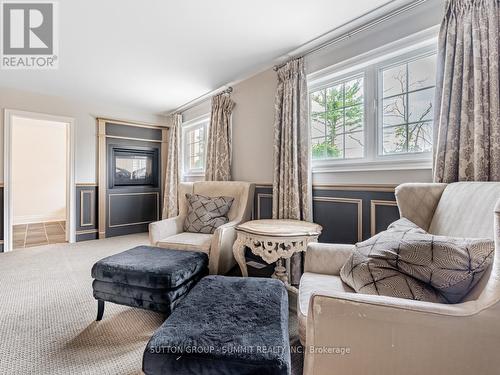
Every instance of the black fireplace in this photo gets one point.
(134, 166)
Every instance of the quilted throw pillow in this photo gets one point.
(405, 261)
(206, 214)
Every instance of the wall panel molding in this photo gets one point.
(374, 203)
(358, 202)
(133, 223)
(344, 211)
(87, 209)
(259, 197)
(87, 231)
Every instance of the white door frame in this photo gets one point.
(70, 169)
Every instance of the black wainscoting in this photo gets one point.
(86, 212)
(347, 216)
(130, 209)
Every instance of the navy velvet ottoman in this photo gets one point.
(224, 326)
(147, 277)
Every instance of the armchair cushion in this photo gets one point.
(316, 283)
(187, 241)
(407, 262)
(206, 214)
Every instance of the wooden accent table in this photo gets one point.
(274, 241)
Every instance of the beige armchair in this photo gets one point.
(393, 336)
(169, 233)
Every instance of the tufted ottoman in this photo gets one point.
(147, 277)
(226, 325)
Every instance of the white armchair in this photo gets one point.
(392, 336)
(169, 233)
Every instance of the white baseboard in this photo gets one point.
(31, 219)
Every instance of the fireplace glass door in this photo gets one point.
(134, 167)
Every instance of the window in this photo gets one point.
(376, 113)
(407, 106)
(337, 120)
(194, 137)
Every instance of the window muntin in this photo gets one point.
(194, 147)
(407, 106)
(418, 119)
(337, 120)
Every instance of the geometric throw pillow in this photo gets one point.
(206, 214)
(405, 261)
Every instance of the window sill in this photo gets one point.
(193, 174)
(367, 166)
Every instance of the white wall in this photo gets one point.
(84, 113)
(253, 116)
(38, 170)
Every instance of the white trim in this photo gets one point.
(200, 121)
(70, 185)
(366, 166)
(34, 219)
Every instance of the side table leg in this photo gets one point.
(280, 272)
(239, 255)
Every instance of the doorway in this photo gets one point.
(39, 180)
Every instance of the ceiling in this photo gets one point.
(156, 55)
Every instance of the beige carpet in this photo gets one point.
(47, 314)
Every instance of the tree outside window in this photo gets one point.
(407, 106)
(337, 114)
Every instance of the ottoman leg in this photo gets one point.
(100, 309)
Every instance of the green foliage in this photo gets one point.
(322, 150)
(335, 100)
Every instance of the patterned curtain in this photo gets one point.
(467, 130)
(172, 178)
(292, 189)
(218, 165)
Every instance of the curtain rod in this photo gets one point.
(328, 43)
(201, 98)
(367, 26)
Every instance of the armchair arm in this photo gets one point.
(326, 258)
(165, 228)
(221, 249)
(405, 305)
(418, 201)
(385, 334)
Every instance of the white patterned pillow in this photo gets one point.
(206, 214)
(405, 261)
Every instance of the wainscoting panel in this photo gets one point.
(341, 218)
(348, 214)
(86, 212)
(131, 212)
(382, 213)
(263, 206)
